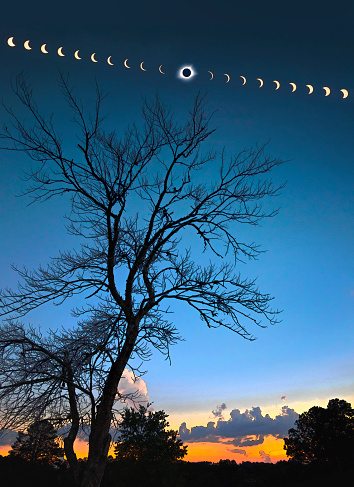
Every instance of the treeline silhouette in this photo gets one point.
(18, 472)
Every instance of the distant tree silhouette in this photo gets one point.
(143, 436)
(39, 444)
(324, 436)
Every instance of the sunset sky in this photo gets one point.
(228, 397)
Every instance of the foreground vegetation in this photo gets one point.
(18, 472)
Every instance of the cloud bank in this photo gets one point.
(242, 429)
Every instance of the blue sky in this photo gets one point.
(308, 266)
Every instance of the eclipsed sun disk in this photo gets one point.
(10, 42)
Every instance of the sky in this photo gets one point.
(228, 397)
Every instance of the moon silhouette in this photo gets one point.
(43, 49)
(293, 86)
(327, 90)
(125, 64)
(212, 76)
(244, 80)
(228, 77)
(109, 61)
(310, 87)
(10, 42)
(141, 66)
(345, 93)
(60, 51)
(277, 83)
(27, 46)
(77, 55)
(161, 70)
(260, 81)
(93, 58)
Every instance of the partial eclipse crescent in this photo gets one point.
(244, 80)
(161, 70)
(212, 76)
(60, 51)
(141, 66)
(27, 46)
(93, 58)
(43, 49)
(125, 63)
(277, 84)
(345, 93)
(327, 90)
(109, 61)
(310, 87)
(260, 82)
(77, 54)
(10, 42)
(293, 86)
(228, 77)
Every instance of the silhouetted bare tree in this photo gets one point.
(134, 199)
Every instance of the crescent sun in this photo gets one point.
(125, 63)
(228, 77)
(10, 42)
(93, 58)
(141, 66)
(327, 90)
(310, 87)
(345, 93)
(77, 54)
(277, 83)
(244, 80)
(212, 76)
(109, 61)
(43, 49)
(260, 81)
(293, 86)
(161, 70)
(60, 51)
(27, 46)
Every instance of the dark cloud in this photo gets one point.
(242, 427)
(248, 440)
(7, 437)
(239, 450)
(218, 411)
(265, 457)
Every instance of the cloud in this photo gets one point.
(218, 411)
(245, 429)
(7, 437)
(265, 457)
(248, 440)
(133, 386)
(283, 398)
(239, 450)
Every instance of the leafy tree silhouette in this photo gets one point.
(323, 436)
(143, 436)
(39, 444)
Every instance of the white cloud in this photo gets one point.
(133, 387)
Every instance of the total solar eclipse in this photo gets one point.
(186, 73)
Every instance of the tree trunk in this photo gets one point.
(97, 458)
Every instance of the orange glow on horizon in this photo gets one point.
(206, 451)
(213, 452)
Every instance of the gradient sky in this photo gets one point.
(308, 358)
